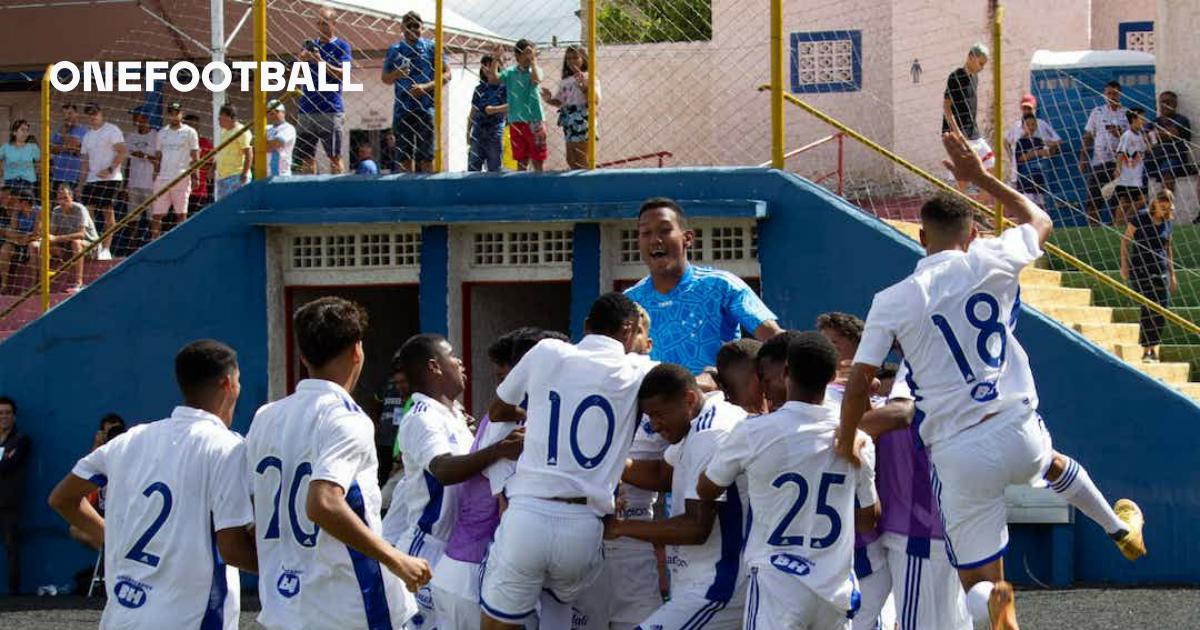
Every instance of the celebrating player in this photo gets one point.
(953, 316)
(582, 411)
(313, 463)
(704, 537)
(174, 487)
(801, 542)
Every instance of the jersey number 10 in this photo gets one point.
(610, 425)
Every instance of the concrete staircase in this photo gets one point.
(1043, 290)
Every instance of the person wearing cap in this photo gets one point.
(1098, 157)
(177, 147)
(960, 103)
(140, 142)
(1045, 132)
(281, 140)
(103, 150)
(234, 160)
(409, 67)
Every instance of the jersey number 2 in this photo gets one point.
(779, 537)
(610, 425)
(305, 539)
(138, 552)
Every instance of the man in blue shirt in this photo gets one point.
(64, 149)
(320, 116)
(408, 67)
(693, 310)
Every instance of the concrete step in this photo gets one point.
(1170, 373)
(1071, 315)
(1191, 390)
(21, 278)
(1127, 351)
(1045, 296)
(1108, 335)
(27, 311)
(1033, 276)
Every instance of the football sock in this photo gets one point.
(1076, 486)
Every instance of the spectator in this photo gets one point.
(103, 151)
(1045, 130)
(140, 185)
(21, 231)
(64, 149)
(397, 400)
(111, 425)
(387, 159)
(281, 140)
(14, 453)
(409, 67)
(693, 310)
(525, 118)
(321, 117)
(1030, 152)
(1101, 135)
(1150, 267)
(177, 147)
(19, 157)
(200, 191)
(1170, 157)
(71, 230)
(366, 165)
(485, 123)
(960, 104)
(236, 159)
(1131, 156)
(572, 104)
(1168, 109)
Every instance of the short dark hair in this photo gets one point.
(326, 327)
(947, 213)
(609, 312)
(69, 105)
(1028, 116)
(483, 62)
(194, 117)
(5, 400)
(1170, 93)
(845, 324)
(416, 352)
(738, 350)
(1133, 113)
(111, 418)
(664, 202)
(530, 337)
(812, 361)
(201, 364)
(776, 348)
(522, 45)
(228, 110)
(667, 380)
(500, 351)
(412, 15)
(1113, 84)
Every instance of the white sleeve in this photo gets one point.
(900, 387)
(425, 438)
(879, 332)
(514, 387)
(1010, 252)
(701, 449)
(94, 466)
(864, 489)
(1124, 142)
(1093, 125)
(499, 473)
(231, 490)
(1048, 131)
(730, 460)
(345, 443)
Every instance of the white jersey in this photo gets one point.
(803, 496)
(170, 485)
(279, 161)
(307, 578)
(175, 147)
(581, 416)
(953, 318)
(639, 503)
(430, 429)
(1104, 145)
(714, 567)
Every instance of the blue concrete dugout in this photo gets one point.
(111, 346)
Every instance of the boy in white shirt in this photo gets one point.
(281, 140)
(800, 548)
(177, 146)
(176, 496)
(313, 463)
(1131, 166)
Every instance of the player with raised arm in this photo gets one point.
(975, 399)
(437, 457)
(703, 538)
(314, 470)
(177, 506)
(800, 547)
(582, 412)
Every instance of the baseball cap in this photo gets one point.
(91, 108)
(275, 106)
(1029, 100)
(174, 107)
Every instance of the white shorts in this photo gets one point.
(775, 601)
(176, 196)
(631, 580)
(540, 544)
(874, 586)
(928, 592)
(689, 609)
(421, 545)
(970, 471)
(455, 591)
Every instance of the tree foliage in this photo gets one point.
(652, 21)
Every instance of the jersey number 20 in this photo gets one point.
(305, 539)
(610, 425)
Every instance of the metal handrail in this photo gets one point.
(839, 137)
(649, 156)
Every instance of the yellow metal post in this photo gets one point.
(259, 124)
(44, 167)
(439, 47)
(591, 58)
(777, 136)
(998, 106)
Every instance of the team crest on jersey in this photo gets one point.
(790, 563)
(130, 593)
(288, 584)
(578, 619)
(425, 597)
(984, 392)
